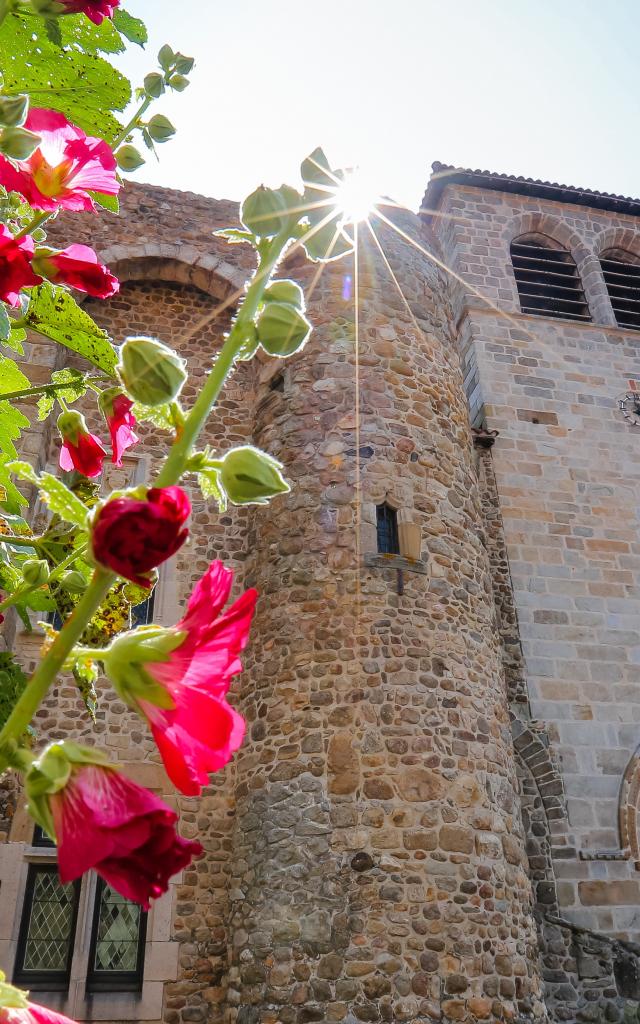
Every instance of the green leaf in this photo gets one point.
(131, 28)
(54, 493)
(109, 203)
(235, 235)
(54, 33)
(10, 497)
(13, 682)
(5, 323)
(160, 415)
(11, 377)
(77, 388)
(54, 313)
(12, 423)
(75, 80)
(15, 339)
(209, 484)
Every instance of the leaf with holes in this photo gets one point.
(131, 28)
(54, 493)
(54, 313)
(77, 388)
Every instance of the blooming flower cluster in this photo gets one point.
(60, 174)
(83, 451)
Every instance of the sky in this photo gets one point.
(545, 88)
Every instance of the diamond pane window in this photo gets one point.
(117, 942)
(47, 930)
(387, 529)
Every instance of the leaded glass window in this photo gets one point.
(117, 942)
(47, 930)
(387, 529)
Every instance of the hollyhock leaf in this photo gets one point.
(209, 484)
(62, 501)
(5, 323)
(110, 203)
(55, 313)
(131, 28)
(12, 684)
(76, 389)
(235, 235)
(11, 377)
(166, 57)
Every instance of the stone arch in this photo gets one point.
(627, 239)
(629, 810)
(179, 264)
(532, 745)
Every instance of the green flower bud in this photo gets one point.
(73, 581)
(251, 477)
(50, 773)
(152, 373)
(154, 84)
(178, 82)
(128, 158)
(160, 128)
(262, 212)
(35, 572)
(13, 110)
(18, 143)
(286, 291)
(282, 329)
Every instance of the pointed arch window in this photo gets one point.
(622, 277)
(547, 279)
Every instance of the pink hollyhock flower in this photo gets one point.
(79, 267)
(133, 536)
(15, 265)
(80, 449)
(32, 1013)
(100, 819)
(65, 167)
(116, 409)
(190, 669)
(95, 10)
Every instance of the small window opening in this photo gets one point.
(387, 529)
(116, 958)
(277, 382)
(40, 838)
(142, 614)
(547, 279)
(622, 277)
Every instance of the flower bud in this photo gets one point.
(35, 572)
(126, 657)
(251, 477)
(262, 212)
(282, 329)
(18, 143)
(73, 581)
(13, 110)
(128, 158)
(160, 128)
(152, 373)
(71, 424)
(154, 84)
(286, 291)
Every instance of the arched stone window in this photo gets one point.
(547, 279)
(622, 277)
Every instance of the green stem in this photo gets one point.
(197, 416)
(119, 139)
(54, 659)
(39, 219)
(53, 576)
(46, 389)
(21, 542)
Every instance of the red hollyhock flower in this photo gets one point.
(15, 266)
(116, 409)
(95, 10)
(105, 821)
(132, 536)
(80, 449)
(195, 729)
(63, 169)
(32, 1013)
(79, 267)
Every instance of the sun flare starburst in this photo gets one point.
(355, 196)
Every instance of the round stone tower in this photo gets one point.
(378, 861)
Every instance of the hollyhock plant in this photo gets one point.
(15, 265)
(178, 679)
(81, 450)
(102, 820)
(116, 409)
(79, 267)
(132, 536)
(65, 167)
(95, 10)
(15, 1008)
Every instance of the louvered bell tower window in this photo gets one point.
(622, 277)
(547, 280)
(116, 958)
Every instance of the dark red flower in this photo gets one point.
(116, 409)
(105, 821)
(79, 267)
(15, 265)
(65, 167)
(80, 449)
(133, 536)
(95, 10)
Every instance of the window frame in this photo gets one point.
(48, 981)
(390, 514)
(114, 981)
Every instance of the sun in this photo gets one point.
(355, 196)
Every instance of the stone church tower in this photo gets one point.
(433, 816)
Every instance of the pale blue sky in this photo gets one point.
(545, 88)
